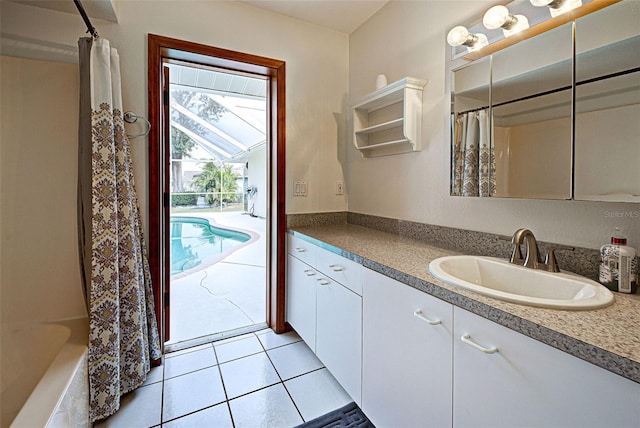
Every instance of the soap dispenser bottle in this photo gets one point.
(618, 265)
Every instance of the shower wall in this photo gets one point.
(39, 267)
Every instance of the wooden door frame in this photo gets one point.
(162, 48)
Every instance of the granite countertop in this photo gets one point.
(608, 337)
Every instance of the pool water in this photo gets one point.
(195, 241)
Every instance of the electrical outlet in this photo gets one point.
(339, 188)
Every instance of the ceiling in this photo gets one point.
(99, 9)
(340, 15)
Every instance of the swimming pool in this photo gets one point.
(194, 241)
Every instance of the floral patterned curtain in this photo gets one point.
(473, 156)
(123, 335)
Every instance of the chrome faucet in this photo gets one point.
(532, 258)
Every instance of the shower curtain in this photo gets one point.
(123, 334)
(473, 155)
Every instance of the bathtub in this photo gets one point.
(44, 381)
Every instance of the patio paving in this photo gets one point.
(227, 295)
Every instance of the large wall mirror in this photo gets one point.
(525, 125)
(607, 120)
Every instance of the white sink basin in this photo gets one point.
(506, 281)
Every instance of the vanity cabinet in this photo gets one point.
(400, 354)
(527, 383)
(324, 306)
(389, 120)
(407, 355)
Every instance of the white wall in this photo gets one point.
(316, 74)
(40, 277)
(409, 38)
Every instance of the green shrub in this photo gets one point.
(182, 200)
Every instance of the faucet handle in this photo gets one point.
(551, 261)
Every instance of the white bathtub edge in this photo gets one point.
(44, 400)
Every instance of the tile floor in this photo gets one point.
(255, 380)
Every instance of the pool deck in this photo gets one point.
(227, 295)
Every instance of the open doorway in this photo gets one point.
(218, 214)
(216, 205)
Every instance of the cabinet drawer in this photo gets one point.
(340, 269)
(302, 250)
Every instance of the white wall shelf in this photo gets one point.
(389, 120)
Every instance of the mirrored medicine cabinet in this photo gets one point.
(555, 116)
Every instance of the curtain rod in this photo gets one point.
(90, 28)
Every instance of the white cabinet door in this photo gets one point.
(301, 299)
(339, 334)
(528, 383)
(406, 368)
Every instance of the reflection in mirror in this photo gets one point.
(607, 123)
(531, 104)
(470, 130)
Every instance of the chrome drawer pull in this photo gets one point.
(309, 272)
(323, 281)
(336, 268)
(467, 339)
(418, 314)
(300, 250)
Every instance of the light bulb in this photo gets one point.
(499, 17)
(558, 7)
(460, 36)
(457, 36)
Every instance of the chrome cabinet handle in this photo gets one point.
(467, 339)
(309, 272)
(336, 268)
(418, 314)
(300, 250)
(323, 281)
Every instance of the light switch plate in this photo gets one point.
(299, 188)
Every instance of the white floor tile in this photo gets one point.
(271, 340)
(232, 339)
(217, 416)
(191, 392)
(317, 393)
(189, 362)
(269, 408)
(248, 374)
(237, 349)
(154, 375)
(293, 360)
(139, 408)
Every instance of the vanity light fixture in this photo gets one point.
(461, 36)
(499, 17)
(558, 7)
